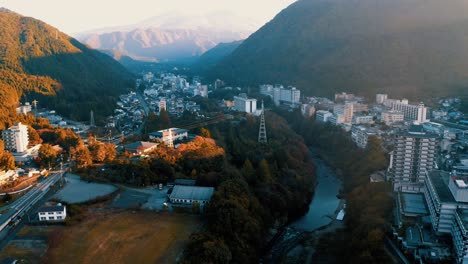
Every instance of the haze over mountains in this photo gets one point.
(171, 37)
(404, 47)
(39, 62)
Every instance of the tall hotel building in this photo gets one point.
(411, 112)
(16, 138)
(413, 156)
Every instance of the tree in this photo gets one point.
(98, 152)
(47, 155)
(164, 119)
(110, 152)
(7, 162)
(205, 133)
(263, 173)
(82, 156)
(206, 248)
(33, 136)
(248, 171)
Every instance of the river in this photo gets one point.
(325, 202)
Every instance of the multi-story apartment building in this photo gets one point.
(16, 138)
(360, 135)
(323, 116)
(412, 157)
(344, 97)
(447, 199)
(391, 117)
(244, 104)
(281, 95)
(346, 110)
(381, 98)
(411, 112)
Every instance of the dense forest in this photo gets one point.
(39, 62)
(369, 205)
(264, 186)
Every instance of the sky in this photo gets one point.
(72, 16)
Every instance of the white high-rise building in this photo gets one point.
(289, 95)
(447, 200)
(244, 104)
(381, 98)
(16, 138)
(411, 112)
(412, 157)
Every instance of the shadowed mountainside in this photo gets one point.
(407, 48)
(39, 62)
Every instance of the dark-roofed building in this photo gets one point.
(52, 213)
(186, 182)
(189, 194)
(140, 147)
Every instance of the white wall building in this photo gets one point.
(344, 97)
(411, 112)
(447, 200)
(23, 109)
(244, 104)
(290, 95)
(307, 110)
(170, 134)
(16, 138)
(381, 98)
(52, 213)
(280, 95)
(363, 119)
(323, 116)
(346, 110)
(189, 194)
(391, 117)
(412, 157)
(360, 135)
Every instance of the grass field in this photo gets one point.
(26, 251)
(124, 237)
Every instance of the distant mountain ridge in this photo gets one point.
(406, 48)
(171, 37)
(39, 62)
(215, 55)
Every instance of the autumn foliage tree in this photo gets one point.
(7, 162)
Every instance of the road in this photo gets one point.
(22, 205)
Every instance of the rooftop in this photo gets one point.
(192, 192)
(54, 208)
(417, 131)
(140, 145)
(439, 180)
(413, 203)
(184, 182)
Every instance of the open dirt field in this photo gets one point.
(78, 191)
(124, 237)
